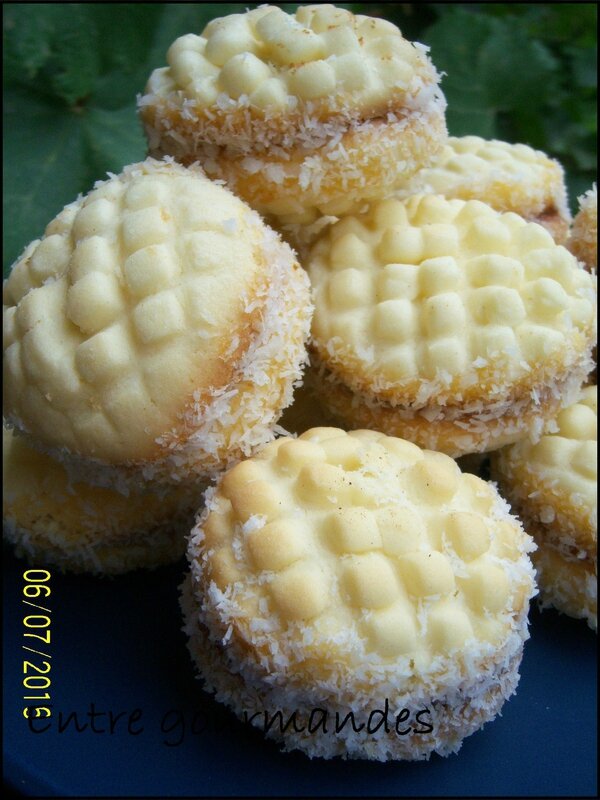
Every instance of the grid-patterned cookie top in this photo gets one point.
(509, 177)
(275, 63)
(38, 499)
(558, 475)
(139, 297)
(584, 232)
(431, 297)
(361, 550)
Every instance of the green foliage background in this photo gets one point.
(521, 72)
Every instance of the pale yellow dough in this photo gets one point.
(338, 569)
(552, 485)
(447, 322)
(509, 177)
(298, 113)
(80, 528)
(155, 331)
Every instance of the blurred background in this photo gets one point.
(521, 72)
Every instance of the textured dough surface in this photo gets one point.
(555, 479)
(81, 528)
(447, 301)
(335, 105)
(509, 177)
(584, 231)
(452, 717)
(348, 560)
(322, 59)
(552, 485)
(138, 306)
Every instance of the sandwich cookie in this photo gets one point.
(552, 486)
(448, 323)
(155, 332)
(81, 528)
(508, 177)
(339, 573)
(298, 113)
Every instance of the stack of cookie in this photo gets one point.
(151, 338)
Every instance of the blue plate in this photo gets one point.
(117, 648)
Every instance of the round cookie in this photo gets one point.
(349, 572)
(552, 486)
(509, 177)
(298, 113)
(80, 528)
(155, 331)
(447, 323)
(584, 232)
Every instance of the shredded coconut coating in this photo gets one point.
(449, 308)
(80, 528)
(569, 585)
(141, 331)
(584, 232)
(552, 485)
(457, 430)
(340, 568)
(333, 103)
(453, 717)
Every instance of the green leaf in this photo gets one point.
(112, 139)
(52, 48)
(43, 164)
(72, 150)
(471, 121)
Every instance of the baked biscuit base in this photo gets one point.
(551, 485)
(343, 570)
(155, 332)
(84, 529)
(474, 428)
(584, 231)
(304, 112)
(447, 322)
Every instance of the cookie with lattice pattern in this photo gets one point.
(297, 112)
(552, 486)
(509, 177)
(346, 570)
(75, 527)
(447, 322)
(155, 331)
